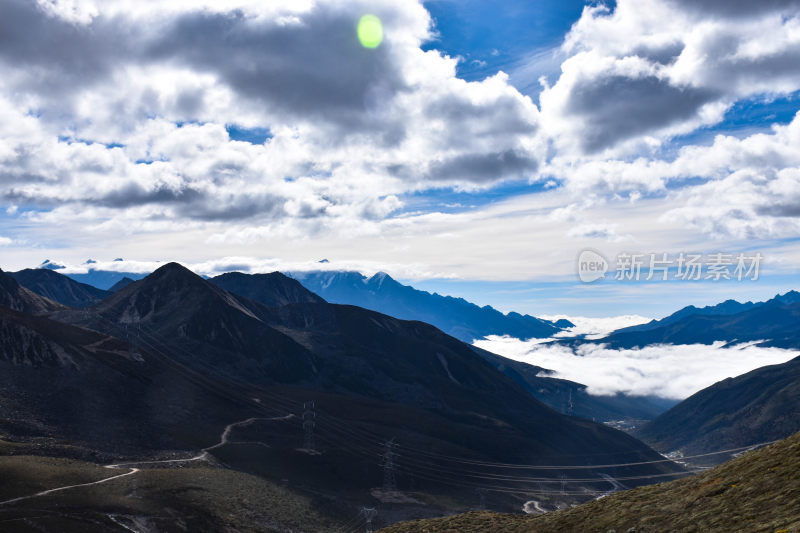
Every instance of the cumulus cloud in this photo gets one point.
(668, 371)
(119, 127)
(123, 115)
(246, 264)
(650, 69)
(758, 175)
(595, 327)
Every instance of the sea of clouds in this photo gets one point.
(668, 371)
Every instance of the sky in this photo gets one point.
(476, 151)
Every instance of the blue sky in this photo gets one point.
(475, 152)
(491, 37)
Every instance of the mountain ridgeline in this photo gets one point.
(760, 406)
(775, 322)
(167, 362)
(59, 288)
(454, 316)
(18, 298)
(263, 375)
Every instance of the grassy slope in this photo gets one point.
(199, 497)
(757, 492)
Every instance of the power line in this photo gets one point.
(389, 480)
(308, 426)
(369, 515)
(349, 430)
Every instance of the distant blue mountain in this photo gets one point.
(48, 282)
(100, 279)
(776, 322)
(728, 307)
(121, 284)
(455, 316)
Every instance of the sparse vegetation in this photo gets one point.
(201, 498)
(758, 492)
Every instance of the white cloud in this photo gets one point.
(593, 327)
(116, 136)
(668, 371)
(758, 175)
(652, 69)
(134, 134)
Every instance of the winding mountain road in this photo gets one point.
(223, 440)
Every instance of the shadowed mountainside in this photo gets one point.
(757, 492)
(272, 290)
(760, 406)
(15, 296)
(58, 287)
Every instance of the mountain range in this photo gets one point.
(276, 289)
(174, 364)
(455, 316)
(169, 365)
(759, 406)
(59, 288)
(18, 298)
(380, 292)
(771, 323)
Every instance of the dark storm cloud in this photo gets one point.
(780, 209)
(737, 8)
(316, 69)
(190, 202)
(663, 55)
(616, 108)
(58, 56)
(125, 78)
(506, 116)
(133, 194)
(484, 167)
(238, 208)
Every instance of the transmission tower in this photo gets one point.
(308, 425)
(369, 515)
(132, 331)
(389, 479)
(563, 483)
(482, 496)
(570, 405)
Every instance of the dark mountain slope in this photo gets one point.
(121, 284)
(350, 351)
(62, 382)
(276, 289)
(454, 316)
(207, 327)
(272, 290)
(58, 287)
(777, 322)
(201, 359)
(15, 296)
(757, 492)
(760, 406)
(571, 398)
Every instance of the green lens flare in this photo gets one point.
(370, 31)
